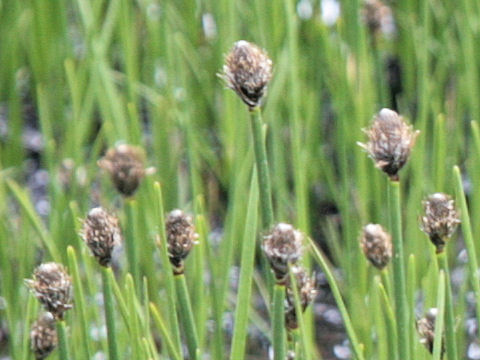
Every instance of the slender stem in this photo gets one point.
(169, 285)
(246, 276)
(468, 238)
(79, 299)
(449, 316)
(356, 346)
(109, 314)
(279, 322)
(262, 167)
(63, 353)
(399, 273)
(186, 315)
(438, 340)
(131, 247)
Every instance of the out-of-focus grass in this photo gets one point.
(89, 74)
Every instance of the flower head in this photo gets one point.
(43, 336)
(101, 233)
(306, 291)
(440, 219)
(390, 140)
(282, 247)
(426, 330)
(126, 167)
(53, 288)
(247, 71)
(376, 244)
(181, 237)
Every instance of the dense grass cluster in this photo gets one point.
(121, 107)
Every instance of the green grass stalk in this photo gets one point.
(468, 237)
(438, 340)
(63, 352)
(279, 322)
(402, 313)
(262, 167)
(186, 315)
(356, 346)
(110, 314)
(451, 342)
(130, 241)
(246, 276)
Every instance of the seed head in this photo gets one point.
(101, 233)
(53, 288)
(43, 336)
(426, 330)
(376, 244)
(378, 17)
(283, 246)
(126, 166)
(440, 219)
(390, 140)
(181, 237)
(306, 290)
(247, 71)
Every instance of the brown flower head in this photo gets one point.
(378, 17)
(126, 166)
(282, 247)
(53, 288)
(306, 291)
(440, 219)
(390, 140)
(376, 244)
(426, 330)
(247, 71)
(43, 336)
(101, 233)
(181, 237)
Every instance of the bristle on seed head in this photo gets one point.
(247, 71)
(101, 232)
(181, 237)
(390, 141)
(52, 286)
(282, 247)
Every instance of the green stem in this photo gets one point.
(79, 299)
(186, 315)
(449, 316)
(279, 322)
(63, 353)
(399, 273)
(246, 276)
(438, 339)
(131, 246)
(109, 314)
(169, 285)
(262, 166)
(468, 237)
(356, 346)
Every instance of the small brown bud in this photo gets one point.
(426, 330)
(378, 17)
(52, 287)
(282, 247)
(390, 141)
(101, 232)
(440, 220)
(126, 166)
(306, 292)
(43, 336)
(247, 71)
(376, 244)
(181, 237)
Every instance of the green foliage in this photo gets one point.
(89, 74)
